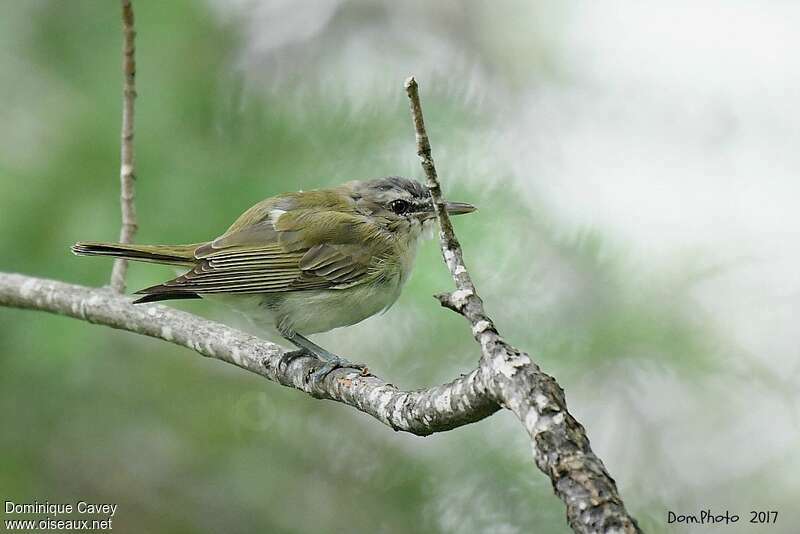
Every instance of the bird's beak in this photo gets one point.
(459, 208)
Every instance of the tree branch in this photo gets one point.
(127, 172)
(561, 447)
(421, 412)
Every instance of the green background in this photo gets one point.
(186, 444)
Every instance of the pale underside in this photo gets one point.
(311, 311)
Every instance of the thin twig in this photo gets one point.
(561, 448)
(127, 172)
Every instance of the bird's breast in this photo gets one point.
(310, 312)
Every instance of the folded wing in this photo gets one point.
(275, 254)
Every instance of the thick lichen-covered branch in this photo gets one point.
(561, 448)
(127, 171)
(421, 412)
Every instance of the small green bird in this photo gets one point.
(302, 263)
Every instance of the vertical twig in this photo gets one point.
(511, 378)
(127, 171)
(471, 305)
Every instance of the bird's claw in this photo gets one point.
(288, 356)
(331, 365)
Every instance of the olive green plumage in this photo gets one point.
(356, 241)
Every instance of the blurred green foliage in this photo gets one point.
(184, 444)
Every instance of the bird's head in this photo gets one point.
(403, 204)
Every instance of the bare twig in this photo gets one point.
(127, 172)
(421, 412)
(561, 448)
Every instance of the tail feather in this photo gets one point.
(166, 254)
(167, 295)
(164, 292)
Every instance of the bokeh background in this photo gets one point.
(636, 168)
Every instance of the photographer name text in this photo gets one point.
(52, 512)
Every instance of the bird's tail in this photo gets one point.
(167, 254)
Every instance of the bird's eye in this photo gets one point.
(399, 206)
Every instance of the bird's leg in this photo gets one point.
(331, 360)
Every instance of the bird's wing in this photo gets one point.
(286, 251)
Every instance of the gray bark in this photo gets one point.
(561, 447)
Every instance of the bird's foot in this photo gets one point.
(288, 356)
(330, 365)
(330, 361)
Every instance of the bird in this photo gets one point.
(303, 262)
